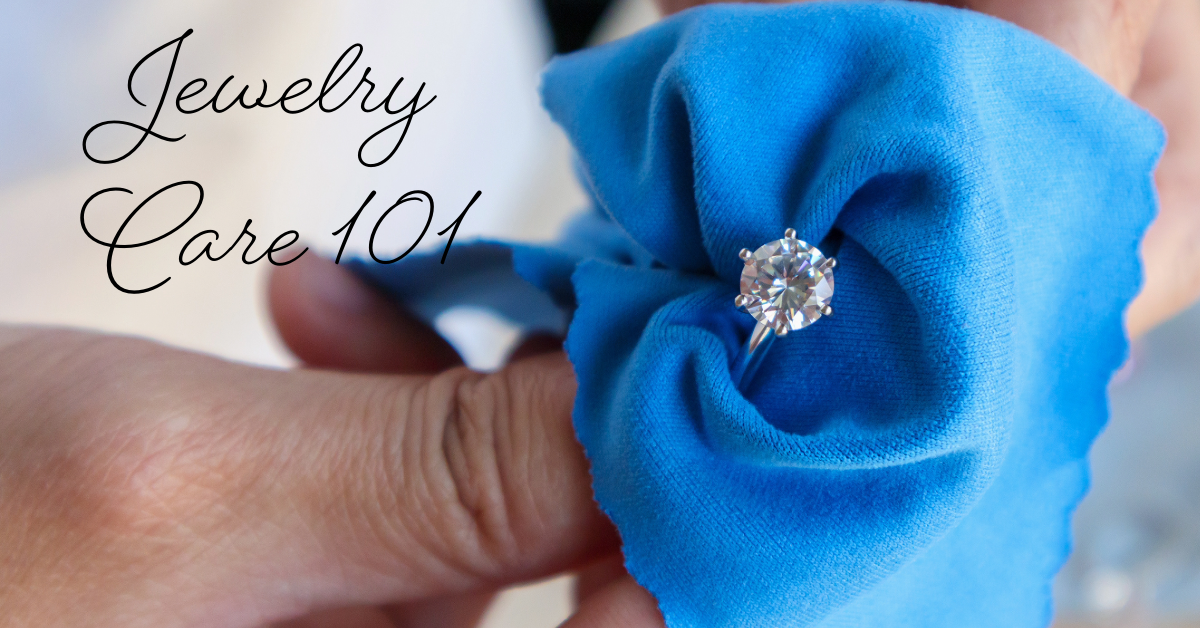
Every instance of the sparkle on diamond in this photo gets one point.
(786, 284)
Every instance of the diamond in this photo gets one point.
(787, 284)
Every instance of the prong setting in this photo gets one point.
(786, 285)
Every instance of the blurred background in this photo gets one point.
(64, 64)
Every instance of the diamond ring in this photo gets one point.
(786, 285)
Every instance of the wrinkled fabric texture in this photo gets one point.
(914, 459)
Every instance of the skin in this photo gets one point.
(387, 485)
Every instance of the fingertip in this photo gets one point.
(330, 318)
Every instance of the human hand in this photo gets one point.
(1143, 48)
(145, 486)
(1148, 50)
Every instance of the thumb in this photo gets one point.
(247, 495)
(329, 318)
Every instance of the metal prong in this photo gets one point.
(745, 254)
(827, 311)
(783, 331)
(832, 263)
(790, 233)
(739, 300)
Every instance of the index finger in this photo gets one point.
(220, 493)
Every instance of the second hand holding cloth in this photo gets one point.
(913, 460)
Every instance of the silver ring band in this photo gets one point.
(751, 355)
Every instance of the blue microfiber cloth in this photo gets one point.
(914, 459)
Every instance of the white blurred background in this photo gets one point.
(64, 64)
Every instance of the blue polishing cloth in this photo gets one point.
(914, 459)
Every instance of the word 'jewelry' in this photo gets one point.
(786, 285)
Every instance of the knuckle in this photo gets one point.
(474, 470)
(127, 465)
(472, 442)
(159, 481)
(129, 508)
(156, 486)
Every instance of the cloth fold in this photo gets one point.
(914, 459)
